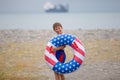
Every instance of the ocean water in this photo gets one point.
(68, 20)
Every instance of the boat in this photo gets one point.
(51, 8)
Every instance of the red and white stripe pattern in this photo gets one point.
(49, 55)
(79, 50)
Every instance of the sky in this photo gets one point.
(36, 6)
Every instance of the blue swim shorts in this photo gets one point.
(61, 56)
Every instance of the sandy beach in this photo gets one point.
(22, 55)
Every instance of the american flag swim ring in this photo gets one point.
(72, 65)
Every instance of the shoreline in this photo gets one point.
(19, 35)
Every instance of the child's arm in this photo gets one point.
(58, 48)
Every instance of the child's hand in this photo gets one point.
(54, 49)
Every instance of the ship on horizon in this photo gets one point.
(51, 8)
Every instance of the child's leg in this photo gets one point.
(62, 77)
(57, 76)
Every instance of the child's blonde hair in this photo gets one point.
(56, 24)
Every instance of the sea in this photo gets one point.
(68, 21)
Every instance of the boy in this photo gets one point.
(59, 52)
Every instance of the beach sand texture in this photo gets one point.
(22, 55)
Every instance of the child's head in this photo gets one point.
(57, 27)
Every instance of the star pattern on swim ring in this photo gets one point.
(66, 67)
(62, 39)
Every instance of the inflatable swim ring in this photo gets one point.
(72, 65)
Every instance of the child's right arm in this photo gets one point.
(58, 48)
